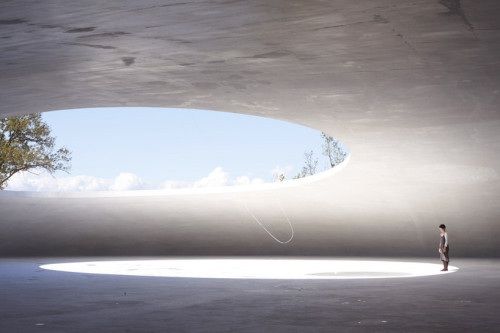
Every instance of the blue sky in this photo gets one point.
(157, 145)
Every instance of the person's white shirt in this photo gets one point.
(445, 239)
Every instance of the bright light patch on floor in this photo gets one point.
(299, 269)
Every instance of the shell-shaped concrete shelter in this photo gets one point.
(411, 87)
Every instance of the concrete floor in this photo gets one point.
(36, 300)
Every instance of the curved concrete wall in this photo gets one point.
(411, 88)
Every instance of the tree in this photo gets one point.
(333, 150)
(309, 168)
(26, 145)
(278, 174)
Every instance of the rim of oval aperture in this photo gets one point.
(186, 191)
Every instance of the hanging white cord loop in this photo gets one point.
(270, 233)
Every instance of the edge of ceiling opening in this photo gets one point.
(185, 191)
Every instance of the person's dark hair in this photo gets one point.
(443, 226)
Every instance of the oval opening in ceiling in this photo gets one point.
(122, 149)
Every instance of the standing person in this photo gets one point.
(444, 248)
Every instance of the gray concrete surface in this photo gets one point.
(411, 87)
(465, 301)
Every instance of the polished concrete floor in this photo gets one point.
(37, 300)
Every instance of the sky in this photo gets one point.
(158, 148)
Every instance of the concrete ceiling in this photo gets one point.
(411, 87)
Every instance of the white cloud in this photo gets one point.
(216, 178)
(246, 180)
(44, 182)
(172, 184)
(77, 184)
(278, 170)
(127, 182)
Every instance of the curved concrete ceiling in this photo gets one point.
(411, 87)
